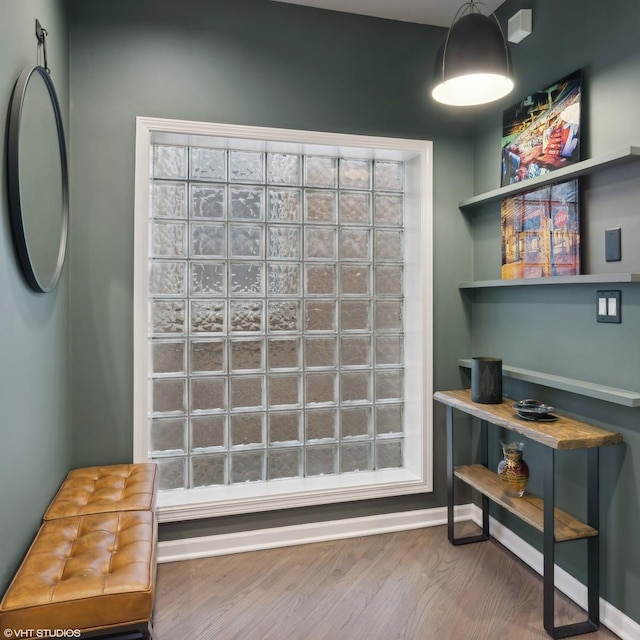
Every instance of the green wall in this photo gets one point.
(35, 436)
(246, 62)
(554, 329)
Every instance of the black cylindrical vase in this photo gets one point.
(486, 380)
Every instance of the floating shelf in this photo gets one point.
(529, 508)
(585, 167)
(623, 397)
(595, 278)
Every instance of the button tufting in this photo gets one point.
(88, 570)
(102, 489)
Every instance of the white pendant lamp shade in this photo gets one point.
(474, 64)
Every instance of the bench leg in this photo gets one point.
(143, 631)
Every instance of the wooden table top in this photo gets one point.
(565, 433)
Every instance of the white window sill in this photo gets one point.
(208, 502)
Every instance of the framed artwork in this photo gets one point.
(541, 232)
(542, 133)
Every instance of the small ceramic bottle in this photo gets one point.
(513, 471)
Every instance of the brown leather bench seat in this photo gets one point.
(118, 487)
(92, 572)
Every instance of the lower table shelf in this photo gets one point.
(529, 508)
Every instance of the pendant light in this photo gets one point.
(474, 64)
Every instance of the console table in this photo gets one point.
(555, 524)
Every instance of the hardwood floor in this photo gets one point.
(411, 585)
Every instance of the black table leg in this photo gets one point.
(593, 621)
(484, 453)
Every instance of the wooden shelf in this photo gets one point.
(624, 397)
(565, 433)
(585, 167)
(529, 508)
(594, 278)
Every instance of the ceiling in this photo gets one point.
(434, 12)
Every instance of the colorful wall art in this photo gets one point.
(542, 133)
(541, 232)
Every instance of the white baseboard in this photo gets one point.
(217, 545)
(224, 544)
(610, 617)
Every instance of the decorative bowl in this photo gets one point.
(532, 407)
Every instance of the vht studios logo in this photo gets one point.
(41, 633)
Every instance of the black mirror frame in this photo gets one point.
(15, 187)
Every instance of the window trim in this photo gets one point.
(283, 494)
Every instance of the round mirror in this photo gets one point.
(38, 179)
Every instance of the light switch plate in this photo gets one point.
(608, 307)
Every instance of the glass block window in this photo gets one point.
(283, 333)
(276, 325)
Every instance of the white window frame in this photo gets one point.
(417, 475)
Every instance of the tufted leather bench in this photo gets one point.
(118, 487)
(90, 570)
